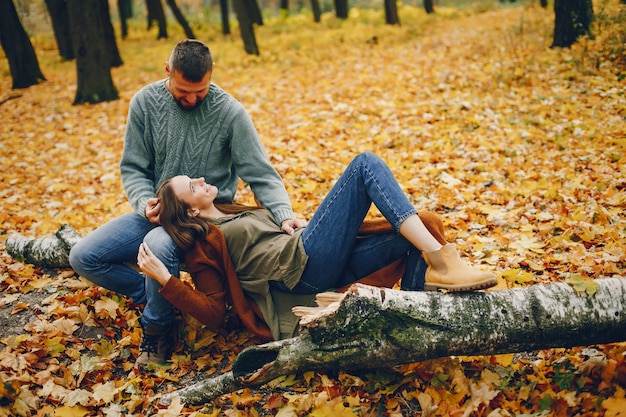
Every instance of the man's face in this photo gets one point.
(188, 95)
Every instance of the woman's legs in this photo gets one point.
(330, 237)
(101, 256)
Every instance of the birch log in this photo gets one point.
(52, 251)
(370, 327)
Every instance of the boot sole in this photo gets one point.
(488, 283)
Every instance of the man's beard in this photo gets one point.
(189, 108)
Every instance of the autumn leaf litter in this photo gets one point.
(519, 147)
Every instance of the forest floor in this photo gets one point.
(519, 147)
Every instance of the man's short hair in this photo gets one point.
(192, 58)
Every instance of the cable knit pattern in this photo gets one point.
(217, 141)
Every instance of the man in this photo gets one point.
(182, 125)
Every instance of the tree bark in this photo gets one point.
(391, 12)
(23, 63)
(51, 252)
(93, 61)
(224, 14)
(125, 11)
(374, 327)
(429, 6)
(317, 11)
(341, 9)
(57, 9)
(572, 19)
(246, 27)
(115, 58)
(156, 13)
(181, 19)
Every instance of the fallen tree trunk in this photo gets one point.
(52, 251)
(370, 327)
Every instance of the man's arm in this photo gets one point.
(137, 163)
(253, 166)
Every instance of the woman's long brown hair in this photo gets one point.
(185, 230)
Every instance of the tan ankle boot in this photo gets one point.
(447, 271)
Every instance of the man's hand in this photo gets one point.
(153, 210)
(289, 226)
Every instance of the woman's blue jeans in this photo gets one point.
(337, 257)
(102, 258)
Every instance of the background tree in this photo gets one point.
(224, 14)
(18, 49)
(125, 11)
(109, 34)
(181, 19)
(246, 26)
(429, 6)
(391, 12)
(317, 11)
(254, 11)
(57, 9)
(572, 19)
(156, 14)
(93, 62)
(341, 9)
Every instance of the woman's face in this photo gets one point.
(194, 191)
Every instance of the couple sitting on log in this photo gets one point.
(187, 144)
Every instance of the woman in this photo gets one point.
(325, 254)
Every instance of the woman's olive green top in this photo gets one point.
(261, 252)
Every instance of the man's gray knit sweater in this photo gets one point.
(217, 141)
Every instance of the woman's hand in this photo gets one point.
(152, 266)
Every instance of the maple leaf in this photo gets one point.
(581, 284)
(106, 307)
(77, 396)
(104, 392)
(65, 326)
(480, 394)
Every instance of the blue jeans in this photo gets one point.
(337, 257)
(101, 257)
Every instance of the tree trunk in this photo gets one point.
(51, 252)
(572, 19)
(156, 14)
(246, 27)
(224, 12)
(254, 11)
(341, 9)
(391, 12)
(284, 7)
(57, 9)
(93, 63)
(317, 11)
(372, 328)
(181, 19)
(18, 49)
(125, 11)
(429, 6)
(109, 34)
